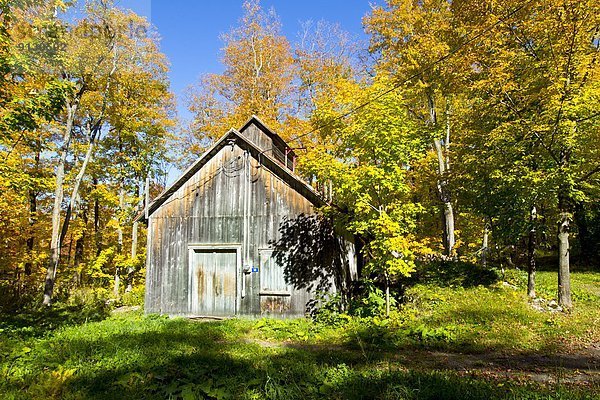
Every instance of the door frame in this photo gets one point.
(237, 247)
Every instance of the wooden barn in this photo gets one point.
(208, 248)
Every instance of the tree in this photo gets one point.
(140, 118)
(28, 101)
(410, 37)
(324, 56)
(537, 81)
(371, 173)
(99, 55)
(258, 73)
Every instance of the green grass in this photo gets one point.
(473, 319)
(132, 356)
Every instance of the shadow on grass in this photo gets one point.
(424, 339)
(452, 274)
(35, 322)
(549, 263)
(179, 359)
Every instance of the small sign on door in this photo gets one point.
(254, 269)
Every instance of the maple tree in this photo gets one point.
(256, 81)
(370, 169)
(535, 85)
(410, 37)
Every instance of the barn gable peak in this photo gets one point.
(268, 141)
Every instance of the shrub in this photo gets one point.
(327, 309)
(93, 303)
(371, 303)
(135, 297)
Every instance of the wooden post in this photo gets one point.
(146, 197)
(287, 151)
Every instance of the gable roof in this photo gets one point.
(293, 180)
(277, 140)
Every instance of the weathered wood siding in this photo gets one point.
(258, 137)
(231, 201)
(263, 141)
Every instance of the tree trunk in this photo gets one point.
(97, 232)
(55, 241)
(564, 275)
(358, 251)
(442, 149)
(31, 238)
(32, 216)
(119, 238)
(69, 252)
(78, 179)
(564, 278)
(531, 253)
(130, 270)
(79, 249)
(93, 132)
(449, 226)
(484, 245)
(449, 239)
(134, 241)
(387, 295)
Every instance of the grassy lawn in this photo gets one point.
(445, 343)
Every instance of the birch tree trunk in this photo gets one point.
(564, 275)
(93, 132)
(55, 241)
(50, 279)
(449, 239)
(442, 149)
(564, 278)
(484, 245)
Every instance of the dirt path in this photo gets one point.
(577, 368)
(580, 367)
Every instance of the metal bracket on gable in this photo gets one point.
(231, 142)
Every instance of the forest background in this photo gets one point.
(464, 132)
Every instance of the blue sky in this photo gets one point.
(190, 30)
